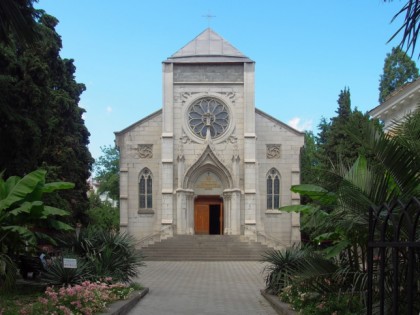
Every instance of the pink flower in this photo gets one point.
(24, 311)
(65, 310)
(43, 300)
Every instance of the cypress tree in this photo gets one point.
(398, 70)
(42, 124)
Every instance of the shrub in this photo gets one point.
(103, 214)
(56, 274)
(112, 254)
(85, 298)
(106, 253)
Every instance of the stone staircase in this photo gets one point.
(204, 248)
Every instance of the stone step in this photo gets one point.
(205, 248)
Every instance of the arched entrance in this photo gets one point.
(208, 215)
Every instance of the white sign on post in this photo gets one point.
(70, 263)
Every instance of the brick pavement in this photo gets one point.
(202, 288)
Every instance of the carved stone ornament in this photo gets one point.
(185, 139)
(230, 95)
(232, 139)
(208, 117)
(186, 95)
(145, 151)
(273, 151)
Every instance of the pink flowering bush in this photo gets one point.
(86, 298)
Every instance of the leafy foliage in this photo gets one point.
(398, 70)
(85, 298)
(103, 214)
(309, 159)
(336, 216)
(107, 169)
(16, 18)
(42, 125)
(302, 267)
(335, 142)
(112, 254)
(56, 274)
(107, 253)
(410, 27)
(22, 213)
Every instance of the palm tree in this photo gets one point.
(340, 206)
(410, 27)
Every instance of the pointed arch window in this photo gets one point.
(273, 189)
(145, 190)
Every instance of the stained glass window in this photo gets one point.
(273, 190)
(145, 190)
(208, 114)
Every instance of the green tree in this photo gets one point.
(23, 212)
(16, 18)
(107, 169)
(390, 173)
(42, 124)
(335, 143)
(398, 70)
(102, 214)
(309, 158)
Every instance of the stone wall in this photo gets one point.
(140, 148)
(208, 73)
(278, 146)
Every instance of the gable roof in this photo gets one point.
(396, 99)
(139, 122)
(208, 46)
(278, 122)
(257, 111)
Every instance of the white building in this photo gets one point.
(399, 104)
(209, 162)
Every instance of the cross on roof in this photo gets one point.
(209, 17)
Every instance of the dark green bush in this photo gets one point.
(56, 274)
(112, 254)
(106, 253)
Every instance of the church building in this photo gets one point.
(209, 162)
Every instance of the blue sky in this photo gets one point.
(305, 51)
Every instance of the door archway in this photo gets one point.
(208, 215)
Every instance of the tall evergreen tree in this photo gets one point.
(16, 18)
(398, 70)
(42, 124)
(344, 104)
(308, 158)
(336, 145)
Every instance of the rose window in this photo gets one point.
(208, 114)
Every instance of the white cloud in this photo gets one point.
(300, 124)
(109, 109)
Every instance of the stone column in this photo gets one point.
(168, 98)
(226, 212)
(295, 232)
(250, 176)
(181, 212)
(235, 170)
(232, 208)
(167, 146)
(124, 199)
(190, 211)
(236, 212)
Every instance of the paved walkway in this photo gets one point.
(202, 288)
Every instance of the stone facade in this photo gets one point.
(399, 104)
(209, 143)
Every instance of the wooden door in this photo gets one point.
(208, 209)
(201, 219)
